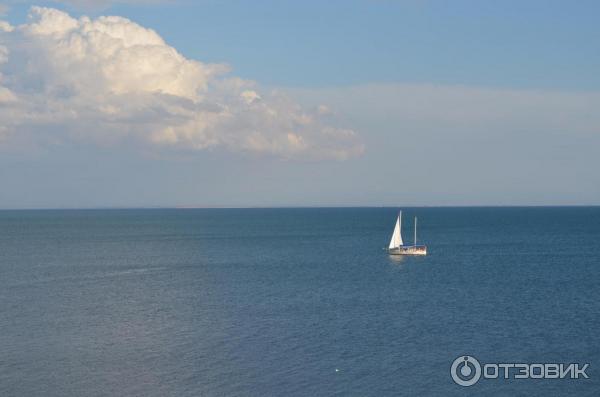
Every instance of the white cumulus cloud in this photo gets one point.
(109, 80)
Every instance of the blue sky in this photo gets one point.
(535, 44)
(456, 103)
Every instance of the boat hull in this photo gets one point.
(419, 250)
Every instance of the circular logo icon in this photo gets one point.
(465, 371)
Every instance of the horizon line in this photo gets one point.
(92, 208)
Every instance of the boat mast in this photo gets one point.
(400, 225)
(415, 231)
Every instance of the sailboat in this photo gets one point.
(397, 247)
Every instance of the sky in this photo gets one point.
(283, 103)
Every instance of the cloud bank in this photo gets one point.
(109, 81)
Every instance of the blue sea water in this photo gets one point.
(294, 302)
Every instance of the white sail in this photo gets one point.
(396, 240)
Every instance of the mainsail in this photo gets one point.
(396, 240)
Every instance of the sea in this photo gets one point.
(296, 301)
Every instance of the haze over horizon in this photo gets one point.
(234, 104)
